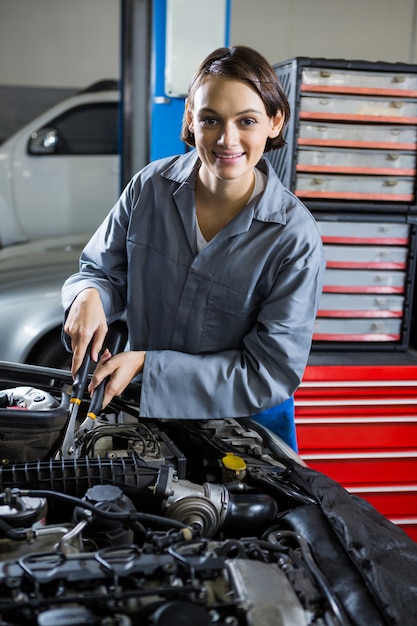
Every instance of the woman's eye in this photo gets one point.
(248, 122)
(208, 121)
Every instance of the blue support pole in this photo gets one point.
(166, 110)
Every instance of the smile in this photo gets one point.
(229, 156)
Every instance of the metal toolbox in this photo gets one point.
(351, 156)
(363, 116)
(368, 282)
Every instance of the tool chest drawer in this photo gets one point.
(341, 434)
(382, 162)
(336, 80)
(363, 281)
(368, 283)
(363, 117)
(396, 504)
(358, 109)
(356, 330)
(355, 187)
(358, 425)
(383, 136)
(353, 470)
(371, 232)
(359, 305)
(367, 257)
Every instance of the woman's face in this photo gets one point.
(230, 126)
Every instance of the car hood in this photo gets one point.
(45, 261)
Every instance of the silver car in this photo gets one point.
(31, 277)
(31, 314)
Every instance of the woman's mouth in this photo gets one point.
(228, 157)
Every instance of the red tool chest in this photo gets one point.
(358, 425)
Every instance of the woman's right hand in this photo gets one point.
(86, 321)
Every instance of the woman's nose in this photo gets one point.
(229, 135)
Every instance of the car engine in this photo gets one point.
(150, 522)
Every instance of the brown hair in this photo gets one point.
(242, 63)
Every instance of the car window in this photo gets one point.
(87, 129)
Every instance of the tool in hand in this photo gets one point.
(97, 399)
(78, 388)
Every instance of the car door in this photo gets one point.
(69, 175)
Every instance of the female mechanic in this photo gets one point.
(216, 265)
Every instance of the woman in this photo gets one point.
(217, 266)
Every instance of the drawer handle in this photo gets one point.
(390, 183)
(318, 181)
(393, 156)
(397, 104)
(399, 79)
(325, 73)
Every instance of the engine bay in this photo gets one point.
(150, 522)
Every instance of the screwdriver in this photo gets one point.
(78, 388)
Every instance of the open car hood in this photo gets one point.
(160, 522)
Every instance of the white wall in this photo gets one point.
(371, 30)
(64, 43)
(71, 43)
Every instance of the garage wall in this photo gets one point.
(59, 43)
(375, 30)
(50, 48)
(64, 43)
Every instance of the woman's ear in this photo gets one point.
(277, 122)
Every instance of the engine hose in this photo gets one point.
(249, 512)
(10, 533)
(75, 476)
(212, 507)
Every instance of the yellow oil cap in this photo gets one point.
(234, 463)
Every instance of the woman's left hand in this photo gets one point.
(120, 369)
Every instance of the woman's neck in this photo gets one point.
(219, 202)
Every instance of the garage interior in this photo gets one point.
(356, 410)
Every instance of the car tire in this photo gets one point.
(51, 353)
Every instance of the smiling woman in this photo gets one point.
(230, 142)
(216, 265)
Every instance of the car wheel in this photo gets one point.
(51, 353)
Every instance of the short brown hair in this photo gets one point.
(242, 63)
